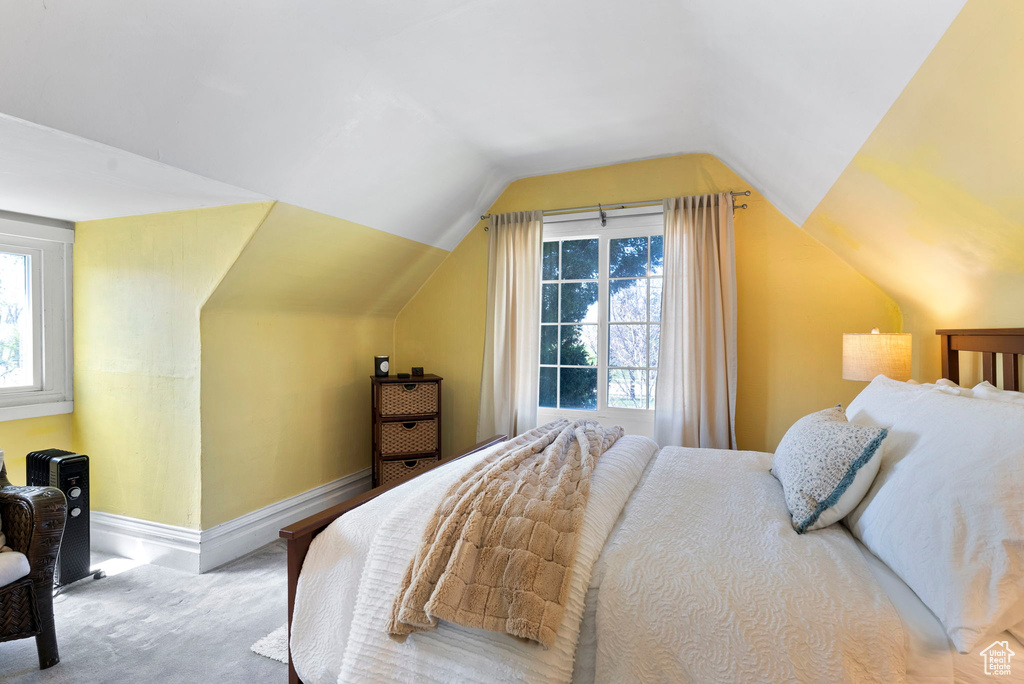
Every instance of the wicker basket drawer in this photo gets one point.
(397, 471)
(417, 437)
(408, 399)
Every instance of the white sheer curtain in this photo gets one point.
(695, 398)
(509, 385)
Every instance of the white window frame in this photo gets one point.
(622, 223)
(50, 244)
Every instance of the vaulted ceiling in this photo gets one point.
(411, 116)
(931, 207)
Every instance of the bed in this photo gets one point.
(675, 579)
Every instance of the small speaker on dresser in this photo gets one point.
(381, 366)
(69, 473)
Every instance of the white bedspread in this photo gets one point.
(704, 580)
(451, 653)
(700, 579)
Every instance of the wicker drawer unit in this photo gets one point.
(406, 426)
(392, 470)
(414, 437)
(408, 398)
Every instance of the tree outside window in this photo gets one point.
(570, 334)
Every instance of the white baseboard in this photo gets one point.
(235, 538)
(142, 540)
(197, 551)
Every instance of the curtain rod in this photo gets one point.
(622, 205)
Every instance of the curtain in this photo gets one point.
(509, 384)
(695, 396)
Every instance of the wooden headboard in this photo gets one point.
(992, 343)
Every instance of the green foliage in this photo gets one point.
(550, 261)
(579, 259)
(548, 387)
(627, 257)
(579, 388)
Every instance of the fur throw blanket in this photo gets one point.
(498, 553)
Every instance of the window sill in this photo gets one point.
(635, 421)
(52, 408)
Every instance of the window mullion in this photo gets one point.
(647, 333)
(558, 332)
(36, 302)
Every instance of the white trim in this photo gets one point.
(44, 408)
(196, 551)
(235, 538)
(150, 542)
(633, 421)
(50, 243)
(36, 227)
(628, 220)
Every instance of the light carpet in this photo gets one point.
(152, 624)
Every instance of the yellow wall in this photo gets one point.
(20, 437)
(222, 356)
(285, 404)
(288, 344)
(301, 260)
(139, 285)
(796, 298)
(931, 207)
(442, 330)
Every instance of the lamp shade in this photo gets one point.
(870, 354)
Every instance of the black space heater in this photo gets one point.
(69, 473)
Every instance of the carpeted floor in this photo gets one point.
(152, 625)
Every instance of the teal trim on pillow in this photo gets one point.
(844, 484)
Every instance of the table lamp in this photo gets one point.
(866, 355)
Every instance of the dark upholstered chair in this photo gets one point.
(33, 521)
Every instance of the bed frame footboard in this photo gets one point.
(300, 535)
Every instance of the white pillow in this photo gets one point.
(983, 390)
(942, 385)
(945, 511)
(885, 397)
(986, 390)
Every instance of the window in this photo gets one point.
(35, 330)
(600, 313)
(19, 367)
(634, 315)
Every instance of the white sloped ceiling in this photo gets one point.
(411, 116)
